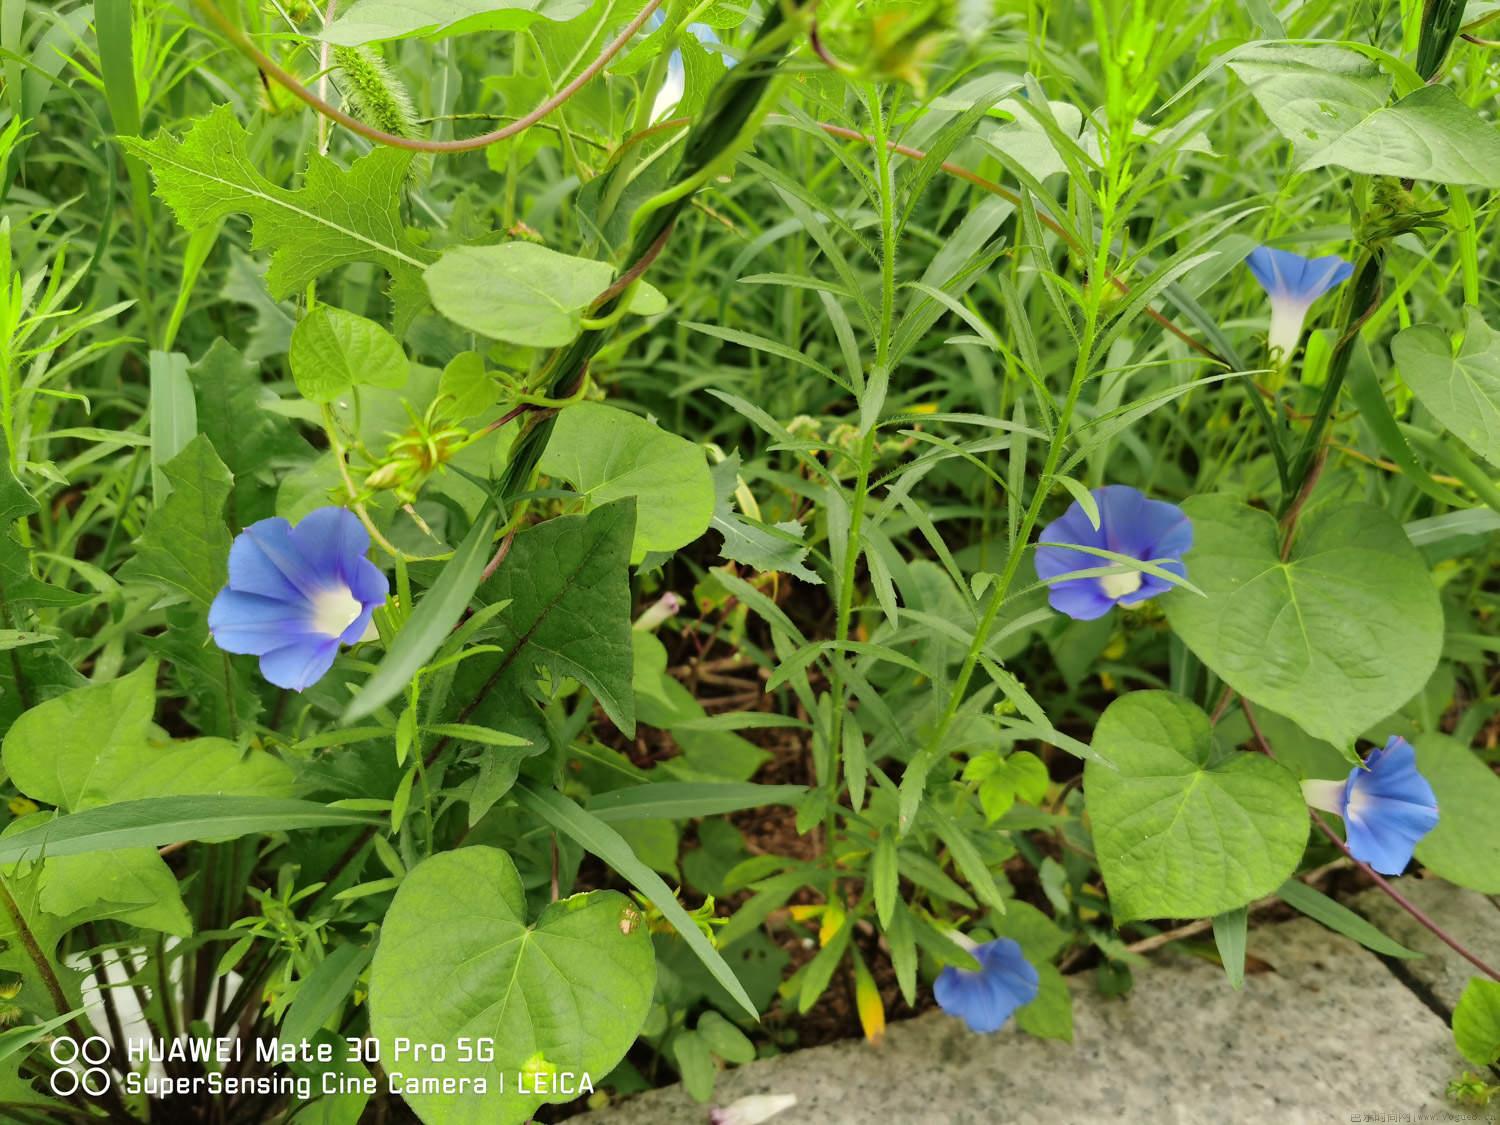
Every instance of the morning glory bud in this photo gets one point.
(1130, 525)
(295, 594)
(986, 999)
(1386, 805)
(1293, 284)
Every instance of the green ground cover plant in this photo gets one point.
(555, 548)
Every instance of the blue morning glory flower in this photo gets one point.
(296, 593)
(1386, 805)
(985, 1000)
(1130, 525)
(1293, 283)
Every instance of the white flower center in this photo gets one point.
(1116, 586)
(1359, 799)
(334, 610)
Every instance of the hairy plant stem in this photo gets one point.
(844, 603)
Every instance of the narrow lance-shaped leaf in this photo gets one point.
(166, 820)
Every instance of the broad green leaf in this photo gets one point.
(1336, 637)
(1182, 828)
(1476, 1022)
(201, 766)
(708, 756)
(338, 217)
(132, 885)
(568, 587)
(724, 1039)
(168, 820)
(93, 746)
(71, 751)
(766, 549)
(1464, 848)
(467, 385)
(372, 21)
(607, 454)
(599, 839)
(523, 293)
(185, 546)
(1339, 918)
(431, 622)
(1428, 135)
(333, 349)
(1312, 94)
(1462, 390)
(1330, 102)
(458, 960)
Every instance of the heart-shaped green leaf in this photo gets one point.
(1462, 390)
(513, 1007)
(1182, 827)
(608, 454)
(1335, 637)
(523, 293)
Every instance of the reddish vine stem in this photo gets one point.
(1379, 880)
(269, 67)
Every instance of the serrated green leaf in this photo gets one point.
(567, 584)
(766, 549)
(185, 546)
(247, 437)
(337, 217)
